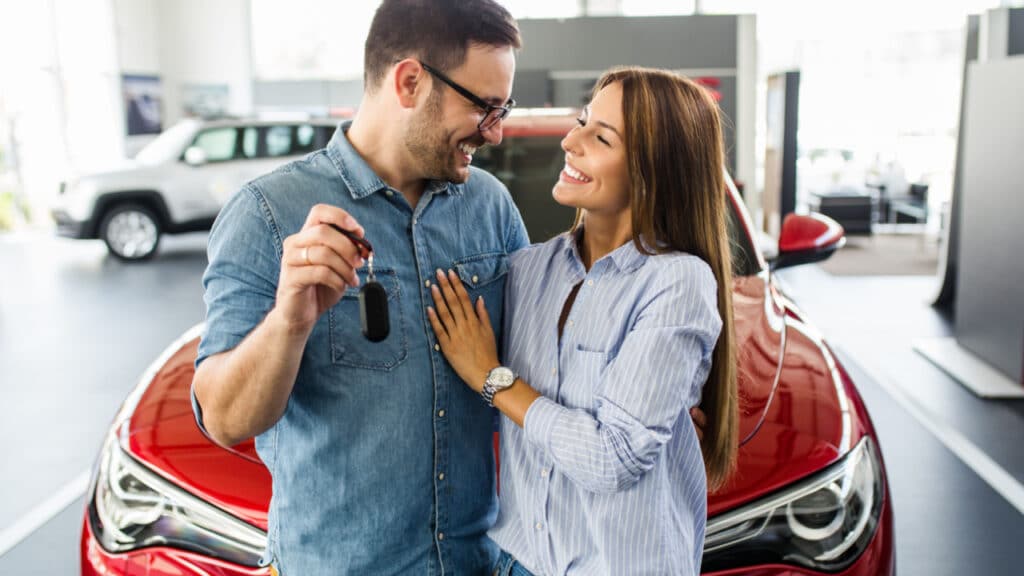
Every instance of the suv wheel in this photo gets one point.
(131, 232)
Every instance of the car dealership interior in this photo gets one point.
(873, 159)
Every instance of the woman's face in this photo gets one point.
(596, 173)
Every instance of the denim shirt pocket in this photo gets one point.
(348, 345)
(584, 379)
(484, 275)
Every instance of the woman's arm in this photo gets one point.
(638, 400)
(466, 337)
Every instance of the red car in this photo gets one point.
(809, 496)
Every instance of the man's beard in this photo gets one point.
(430, 144)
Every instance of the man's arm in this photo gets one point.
(242, 392)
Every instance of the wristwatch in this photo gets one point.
(498, 379)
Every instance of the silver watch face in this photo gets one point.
(501, 377)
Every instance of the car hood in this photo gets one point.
(795, 416)
(804, 421)
(163, 434)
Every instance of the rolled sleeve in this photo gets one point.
(240, 281)
(540, 420)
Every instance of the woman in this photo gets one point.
(613, 331)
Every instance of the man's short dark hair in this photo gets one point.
(437, 32)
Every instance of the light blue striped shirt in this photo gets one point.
(606, 477)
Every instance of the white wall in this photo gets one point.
(204, 42)
(137, 34)
(188, 42)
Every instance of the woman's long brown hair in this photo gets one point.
(678, 202)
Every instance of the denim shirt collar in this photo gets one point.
(626, 258)
(359, 178)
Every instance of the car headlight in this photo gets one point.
(134, 508)
(822, 523)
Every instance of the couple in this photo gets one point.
(381, 453)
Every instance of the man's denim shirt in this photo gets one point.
(383, 461)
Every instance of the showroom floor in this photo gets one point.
(77, 329)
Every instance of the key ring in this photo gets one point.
(365, 249)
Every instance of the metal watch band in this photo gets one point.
(489, 389)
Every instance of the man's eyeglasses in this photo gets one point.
(492, 114)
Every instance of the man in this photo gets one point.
(381, 458)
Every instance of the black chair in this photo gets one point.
(913, 207)
(852, 208)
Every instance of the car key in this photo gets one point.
(373, 299)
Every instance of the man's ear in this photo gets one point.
(410, 81)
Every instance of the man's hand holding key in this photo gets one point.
(317, 265)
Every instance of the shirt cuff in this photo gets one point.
(540, 421)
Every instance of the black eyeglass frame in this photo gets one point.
(489, 117)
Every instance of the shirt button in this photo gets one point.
(440, 535)
(440, 413)
(415, 221)
(538, 526)
(475, 279)
(554, 371)
(569, 322)
(437, 346)
(440, 476)
(427, 283)
(390, 193)
(544, 473)
(590, 282)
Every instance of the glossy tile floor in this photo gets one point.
(77, 328)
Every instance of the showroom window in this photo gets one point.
(61, 92)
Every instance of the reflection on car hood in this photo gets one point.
(163, 434)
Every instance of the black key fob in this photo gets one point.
(373, 311)
(373, 299)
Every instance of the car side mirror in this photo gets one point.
(806, 239)
(195, 156)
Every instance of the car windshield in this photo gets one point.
(169, 144)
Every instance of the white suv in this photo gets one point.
(179, 182)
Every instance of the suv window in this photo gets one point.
(250, 142)
(305, 139)
(529, 166)
(279, 140)
(218, 143)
